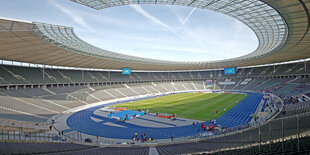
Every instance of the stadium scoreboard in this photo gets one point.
(126, 71)
(230, 71)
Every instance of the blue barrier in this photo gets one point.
(126, 114)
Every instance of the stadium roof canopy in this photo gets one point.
(281, 26)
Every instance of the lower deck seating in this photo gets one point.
(290, 147)
(293, 109)
(50, 101)
(11, 115)
(39, 148)
(269, 131)
(185, 148)
(113, 151)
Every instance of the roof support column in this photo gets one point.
(43, 73)
(82, 74)
(169, 76)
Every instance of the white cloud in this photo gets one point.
(188, 50)
(186, 33)
(182, 19)
(186, 19)
(144, 13)
(196, 39)
(197, 35)
(175, 11)
(75, 17)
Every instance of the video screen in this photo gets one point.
(230, 71)
(126, 71)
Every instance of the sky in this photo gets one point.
(163, 32)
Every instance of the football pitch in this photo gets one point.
(197, 106)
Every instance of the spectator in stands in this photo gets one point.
(210, 127)
(202, 126)
(173, 118)
(171, 138)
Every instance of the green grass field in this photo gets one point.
(198, 106)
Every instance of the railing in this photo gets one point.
(16, 135)
(285, 132)
(22, 124)
(279, 132)
(13, 130)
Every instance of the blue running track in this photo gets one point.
(81, 121)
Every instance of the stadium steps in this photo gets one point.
(17, 77)
(12, 114)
